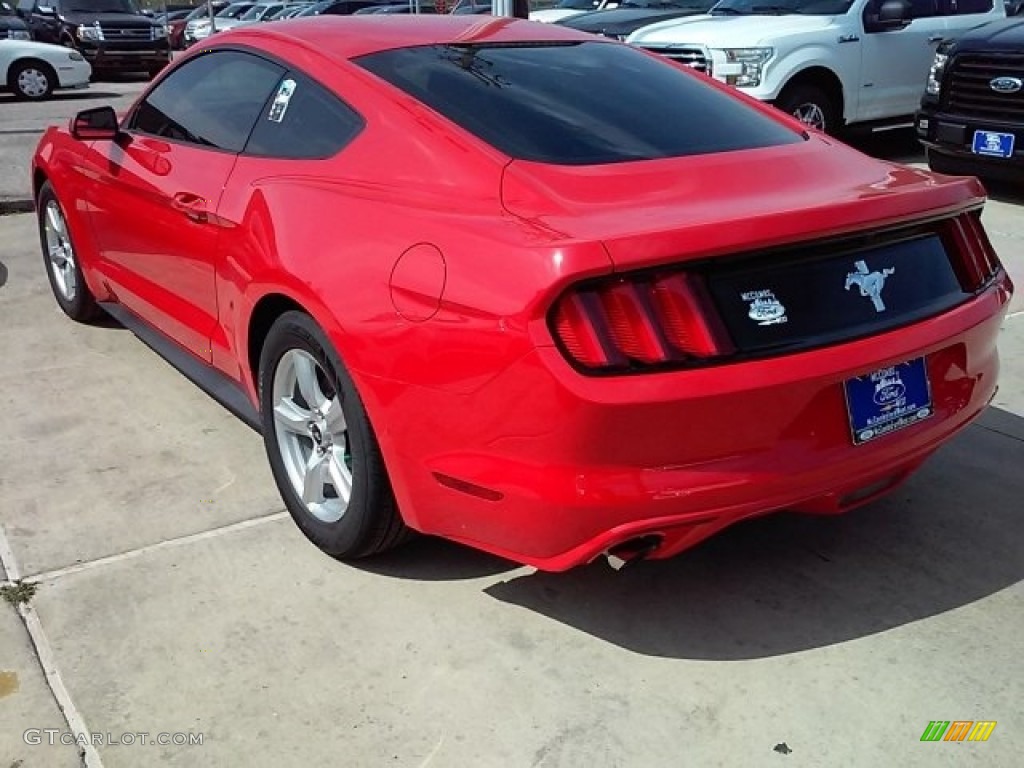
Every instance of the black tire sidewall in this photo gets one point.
(794, 95)
(83, 306)
(46, 69)
(347, 536)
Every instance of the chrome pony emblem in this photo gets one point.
(1006, 84)
(870, 283)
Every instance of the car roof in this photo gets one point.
(347, 37)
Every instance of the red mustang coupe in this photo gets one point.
(514, 285)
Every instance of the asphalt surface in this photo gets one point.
(175, 596)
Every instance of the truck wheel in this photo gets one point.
(811, 105)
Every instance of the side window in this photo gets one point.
(212, 100)
(923, 9)
(967, 7)
(304, 120)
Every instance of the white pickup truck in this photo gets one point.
(831, 63)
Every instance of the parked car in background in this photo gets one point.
(566, 8)
(33, 71)
(112, 35)
(462, 7)
(176, 26)
(629, 16)
(650, 310)
(339, 7)
(400, 8)
(258, 12)
(228, 13)
(971, 119)
(831, 63)
(11, 26)
(289, 11)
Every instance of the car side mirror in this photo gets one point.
(891, 15)
(98, 124)
(894, 11)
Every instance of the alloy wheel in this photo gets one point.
(312, 435)
(61, 254)
(810, 114)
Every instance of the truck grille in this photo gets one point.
(969, 92)
(691, 56)
(128, 33)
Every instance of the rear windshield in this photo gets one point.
(576, 103)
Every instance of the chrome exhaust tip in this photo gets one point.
(632, 551)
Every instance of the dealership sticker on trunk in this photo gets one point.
(888, 400)
(992, 144)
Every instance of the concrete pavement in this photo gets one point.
(175, 597)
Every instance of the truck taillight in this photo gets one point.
(626, 323)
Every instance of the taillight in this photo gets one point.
(976, 261)
(637, 322)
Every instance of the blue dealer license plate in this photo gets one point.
(992, 144)
(888, 400)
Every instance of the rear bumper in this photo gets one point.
(590, 463)
(952, 136)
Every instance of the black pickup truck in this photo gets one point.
(110, 34)
(971, 119)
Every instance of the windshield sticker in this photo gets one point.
(280, 105)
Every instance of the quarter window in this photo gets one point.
(303, 120)
(211, 101)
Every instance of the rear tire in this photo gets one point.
(322, 450)
(810, 105)
(61, 260)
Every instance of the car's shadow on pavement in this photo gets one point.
(786, 583)
(427, 558)
(3, 274)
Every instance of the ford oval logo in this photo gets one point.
(889, 393)
(1006, 84)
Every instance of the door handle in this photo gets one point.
(193, 206)
(936, 39)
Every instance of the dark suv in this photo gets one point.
(972, 114)
(11, 27)
(111, 34)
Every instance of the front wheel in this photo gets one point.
(61, 260)
(32, 80)
(811, 105)
(322, 449)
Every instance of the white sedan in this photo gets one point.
(34, 71)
